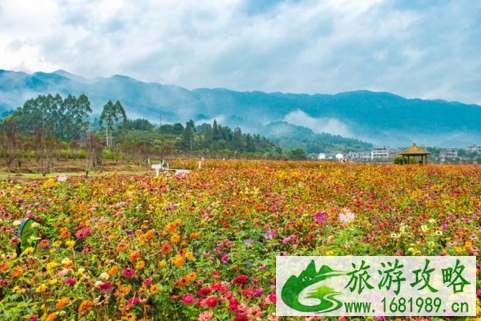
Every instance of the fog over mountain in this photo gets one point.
(380, 118)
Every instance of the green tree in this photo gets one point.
(297, 154)
(113, 117)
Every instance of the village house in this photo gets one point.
(449, 153)
(380, 152)
(359, 155)
(476, 149)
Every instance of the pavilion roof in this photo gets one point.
(414, 150)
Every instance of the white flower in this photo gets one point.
(34, 225)
(104, 276)
(62, 178)
(346, 216)
(17, 223)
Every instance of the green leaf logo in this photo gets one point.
(295, 285)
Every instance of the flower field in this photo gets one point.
(202, 246)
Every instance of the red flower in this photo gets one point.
(211, 302)
(106, 286)
(241, 318)
(188, 299)
(241, 279)
(272, 297)
(204, 291)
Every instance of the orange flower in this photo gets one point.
(121, 247)
(154, 289)
(16, 272)
(183, 281)
(192, 276)
(166, 248)
(178, 261)
(150, 234)
(44, 243)
(85, 307)
(51, 317)
(134, 256)
(62, 302)
(194, 235)
(113, 270)
(171, 227)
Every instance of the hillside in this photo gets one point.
(378, 118)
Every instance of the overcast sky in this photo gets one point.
(415, 48)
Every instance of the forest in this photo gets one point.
(52, 127)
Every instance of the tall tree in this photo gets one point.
(113, 116)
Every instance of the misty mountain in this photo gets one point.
(377, 117)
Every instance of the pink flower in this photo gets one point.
(205, 316)
(133, 300)
(322, 217)
(71, 281)
(106, 286)
(272, 297)
(33, 318)
(445, 227)
(188, 299)
(224, 258)
(128, 272)
(346, 216)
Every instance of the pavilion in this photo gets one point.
(414, 151)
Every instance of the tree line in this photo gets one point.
(52, 127)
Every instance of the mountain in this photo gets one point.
(379, 118)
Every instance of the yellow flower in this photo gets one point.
(28, 250)
(330, 253)
(140, 265)
(458, 250)
(163, 263)
(41, 288)
(51, 265)
(70, 244)
(54, 281)
(57, 243)
(178, 221)
(189, 255)
(175, 238)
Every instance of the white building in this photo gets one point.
(380, 152)
(474, 149)
(449, 153)
(359, 155)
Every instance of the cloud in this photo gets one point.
(427, 49)
(319, 125)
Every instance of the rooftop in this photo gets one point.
(414, 150)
